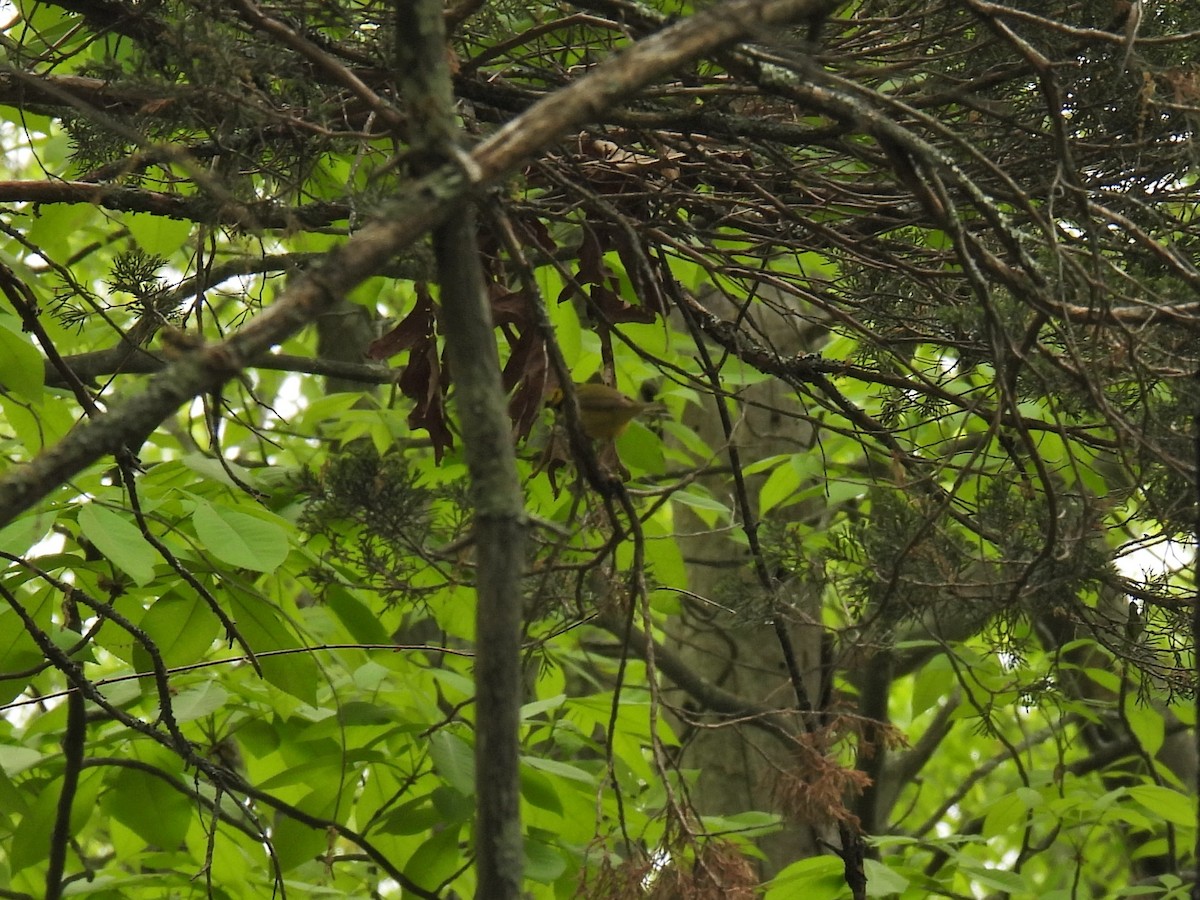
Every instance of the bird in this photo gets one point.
(604, 412)
(1134, 624)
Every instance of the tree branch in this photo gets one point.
(414, 212)
(121, 360)
(264, 214)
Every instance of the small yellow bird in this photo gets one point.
(604, 412)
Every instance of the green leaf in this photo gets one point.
(1006, 813)
(15, 760)
(295, 842)
(412, 817)
(149, 806)
(767, 464)
(537, 707)
(239, 539)
(55, 227)
(22, 370)
(1104, 678)
(815, 878)
(539, 790)
(1176, 808)
(323, 768)
(120, 541)
(997, 879)
(561, 769)
(882, 881)
(200, 701)
(18, 652)
(752, 823)
(930, 684)
(1147, 723)
(19, 536)
(779, 486)
(454, 760)
(641, 450)
(12, 803)
(361, 713)
(37, 425)
(453, 806)
(359, 619)
(30, 843)
(436, 859)
(544, 863)
(261, 625)
(158, 235)
(706, 508)
(213, 470)
(182, 628)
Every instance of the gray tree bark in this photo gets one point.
(741, 650)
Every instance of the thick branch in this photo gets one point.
(412, 214)
(500, 521)
(173, 206)
(133, 361)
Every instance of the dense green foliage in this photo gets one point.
(916, 292)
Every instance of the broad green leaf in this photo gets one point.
(815, 878)
(359, 713)
(1148, 724)
(200, 701)
(20, 535)
(536, 708)
(767, 464)
(295, 842)
(561, 769)
(453, 806)
(263, 628)
(412, 817)
(931, 683)
(882, 881)
(12, 802)
(120, 541)
(779, 487)
(150, 806)
(435, 860)
(1175, 807)
(539, 790)
(1104, 678)
(752, 823)
(182, 628)
(359, 619)
(1185, 712)
(322, 769)
(30, 843)
(37, 425)
(212, 469)
(704, 506)
(21, 368)
(56, 227)
(239, 539)
(543, 861)
(453, 760)
(15, 760)
(371, 676)
(640, 449)
(157, 234)
(1006, 814)
(18, 653)
(995, 878)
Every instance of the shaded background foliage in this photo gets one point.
(934, 262)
